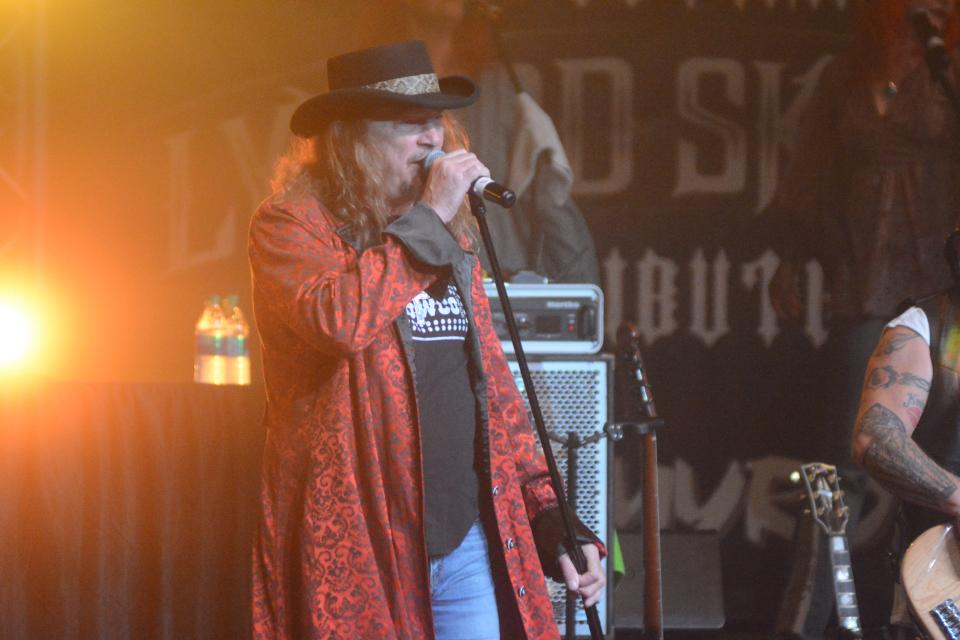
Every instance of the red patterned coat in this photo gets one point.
(340, 551)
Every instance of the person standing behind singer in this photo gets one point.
(872, 186)
(403, 496)
(545, 232)
(871, 190)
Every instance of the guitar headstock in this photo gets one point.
(822, 485)
(633, 397)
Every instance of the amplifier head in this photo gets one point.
(560, 319)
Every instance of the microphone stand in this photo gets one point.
(572, 443)
(479, 210)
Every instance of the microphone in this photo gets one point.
(934, 48)
(482, 187)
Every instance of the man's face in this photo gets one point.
(401, 146)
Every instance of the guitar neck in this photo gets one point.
(848, 614)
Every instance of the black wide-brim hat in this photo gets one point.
(382, 83)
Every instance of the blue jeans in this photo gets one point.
(462, 592)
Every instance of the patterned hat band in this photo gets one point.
(381, 82)
(408, 85)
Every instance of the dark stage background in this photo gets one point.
(137, 138)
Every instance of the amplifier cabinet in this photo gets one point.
(692, 581)
(575, 394)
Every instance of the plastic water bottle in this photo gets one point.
(238, 342)
(209, 365)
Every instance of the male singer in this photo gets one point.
(402, 495)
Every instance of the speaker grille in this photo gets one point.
(574, 397)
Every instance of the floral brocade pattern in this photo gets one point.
(339, 549)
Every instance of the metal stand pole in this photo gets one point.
(479, 210)
(572, 443)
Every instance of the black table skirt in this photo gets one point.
(127, 511)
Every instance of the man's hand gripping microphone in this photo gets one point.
(482, 187)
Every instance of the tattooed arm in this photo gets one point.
(894, 395)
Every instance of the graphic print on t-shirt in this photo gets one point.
(447, 411)
(433, 319)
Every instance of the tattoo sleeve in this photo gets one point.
(898, 463)
(896, 341)
(886, 376)
(914, 406)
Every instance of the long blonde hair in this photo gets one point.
(337, 166)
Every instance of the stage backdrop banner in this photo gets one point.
(678, 118)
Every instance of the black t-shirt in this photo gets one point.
(448, 415)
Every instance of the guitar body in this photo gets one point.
(930, 575)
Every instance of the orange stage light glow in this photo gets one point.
(17, 334)
(23, 339)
